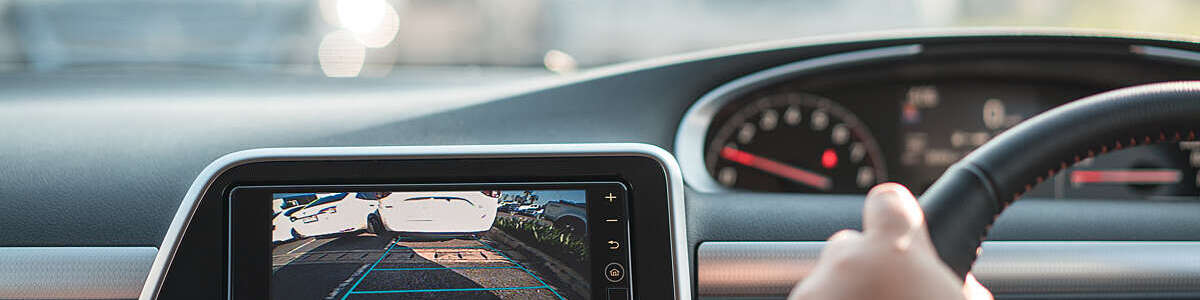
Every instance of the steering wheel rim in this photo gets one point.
(961, 206)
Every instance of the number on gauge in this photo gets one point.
(794, 142)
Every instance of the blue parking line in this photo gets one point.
(444, 247)
(453, 290)
(393, 245)
(364, 275)
(441, 268)
(539, 279)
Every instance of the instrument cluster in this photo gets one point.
(788, 138)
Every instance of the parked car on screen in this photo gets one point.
(509, 207)
(281, 225)
(571, 216)
(333, 213)
(285, 201)
(283, 207)
(438, 214)
(532, 210)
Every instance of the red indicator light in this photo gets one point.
(829, 159)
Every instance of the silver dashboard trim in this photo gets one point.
(73, 272)
(681, 261)
(1170, 269)
(689, 141)
(1177, 55)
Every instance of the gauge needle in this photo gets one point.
(810, 178)
(1144, 176)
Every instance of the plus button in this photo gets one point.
(610, 197)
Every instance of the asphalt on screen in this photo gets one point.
(365, 266)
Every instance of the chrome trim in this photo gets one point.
(187, 208)
(690, 140)
(1170, 269)
(1176, 55)
(73, 272)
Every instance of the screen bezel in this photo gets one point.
(192, 258)
(249, 254)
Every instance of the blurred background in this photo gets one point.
(510, 39)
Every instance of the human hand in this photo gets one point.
(892, 258)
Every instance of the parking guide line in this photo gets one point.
(301, 246)
(453, 290)
(442, 268)
(444, 247)
(539, 279)
(364, 275)
(395, 242)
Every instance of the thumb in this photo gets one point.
(891, 211)
(974, 290)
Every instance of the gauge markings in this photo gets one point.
(792, 115)
(769, 120)
(794, 142)
(746, 134)
(819, 120)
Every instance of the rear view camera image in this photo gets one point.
(491, 244)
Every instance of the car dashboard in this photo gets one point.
(776, 145)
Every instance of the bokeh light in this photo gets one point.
(383, 31)
(360, 16)
(341, 55)
(559, 62)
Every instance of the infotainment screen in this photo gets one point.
(457, 242)
(586, 221)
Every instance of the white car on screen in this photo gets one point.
(333, 213)
(439, 214)
(283, 207)
(281, 225)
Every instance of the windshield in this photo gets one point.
(433, 39)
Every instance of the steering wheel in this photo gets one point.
(962, 205)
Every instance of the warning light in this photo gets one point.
(829, 159)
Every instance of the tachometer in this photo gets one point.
(795, 142)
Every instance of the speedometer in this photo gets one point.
(795, 142)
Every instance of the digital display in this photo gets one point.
(941, 124)
(449, 244)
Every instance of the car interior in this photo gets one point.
(430, 149)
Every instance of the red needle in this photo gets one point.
(809, 178)
(1150, 176)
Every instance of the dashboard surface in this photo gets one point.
(104, 161)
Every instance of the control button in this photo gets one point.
(618, 294)
(614, 272)
(613, 245)
(610, 198)
(612, 220)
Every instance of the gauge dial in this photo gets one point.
(795, 142)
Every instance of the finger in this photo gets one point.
(891, 210)
(973, 290)
(843, 235)
(841, 243)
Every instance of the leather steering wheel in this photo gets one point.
(962, 205)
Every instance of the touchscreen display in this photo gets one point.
(453, 244)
